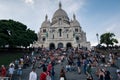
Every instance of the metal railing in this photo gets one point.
(4, 78)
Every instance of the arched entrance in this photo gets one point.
(60, 45)
(68, 45)
(52, 46)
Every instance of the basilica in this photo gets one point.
(61, 32)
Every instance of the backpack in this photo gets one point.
(48, 77)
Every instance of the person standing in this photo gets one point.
(101, 74)
(3, 71)
(19, 71)
(11, 71)
(78, 65)
(44, 74)
(33, 75)
(62, 74)
(53, 74)
(107, 75)
(89, 70)
(49, 67)
(85, 62)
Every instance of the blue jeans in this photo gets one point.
(19, 72)
(52, 77)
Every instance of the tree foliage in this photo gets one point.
(108, 39)
(15, 34)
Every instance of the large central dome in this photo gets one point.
(60, 14)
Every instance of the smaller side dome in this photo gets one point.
(74, 22)
(46, 23)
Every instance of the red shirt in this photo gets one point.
(49, 68)
(3, 72)
(43, 76)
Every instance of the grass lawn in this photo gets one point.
(6, 58)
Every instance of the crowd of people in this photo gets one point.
(72, 60)
(78, 60)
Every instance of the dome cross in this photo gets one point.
(60, 5)
(74, 17)
(46, 17)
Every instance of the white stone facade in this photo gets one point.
(61, 32)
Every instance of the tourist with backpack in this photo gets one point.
(45, 75)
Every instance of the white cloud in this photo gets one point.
(73, 6)
(29, 1)
(94, 43)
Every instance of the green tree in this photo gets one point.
(108, 39)
(15, 34)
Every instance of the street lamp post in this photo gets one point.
(97, 37)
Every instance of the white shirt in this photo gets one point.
(11, 70)
(33, 76)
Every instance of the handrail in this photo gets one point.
(4, 78)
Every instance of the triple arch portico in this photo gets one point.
(60, 45)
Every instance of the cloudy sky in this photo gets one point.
(95, 16)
